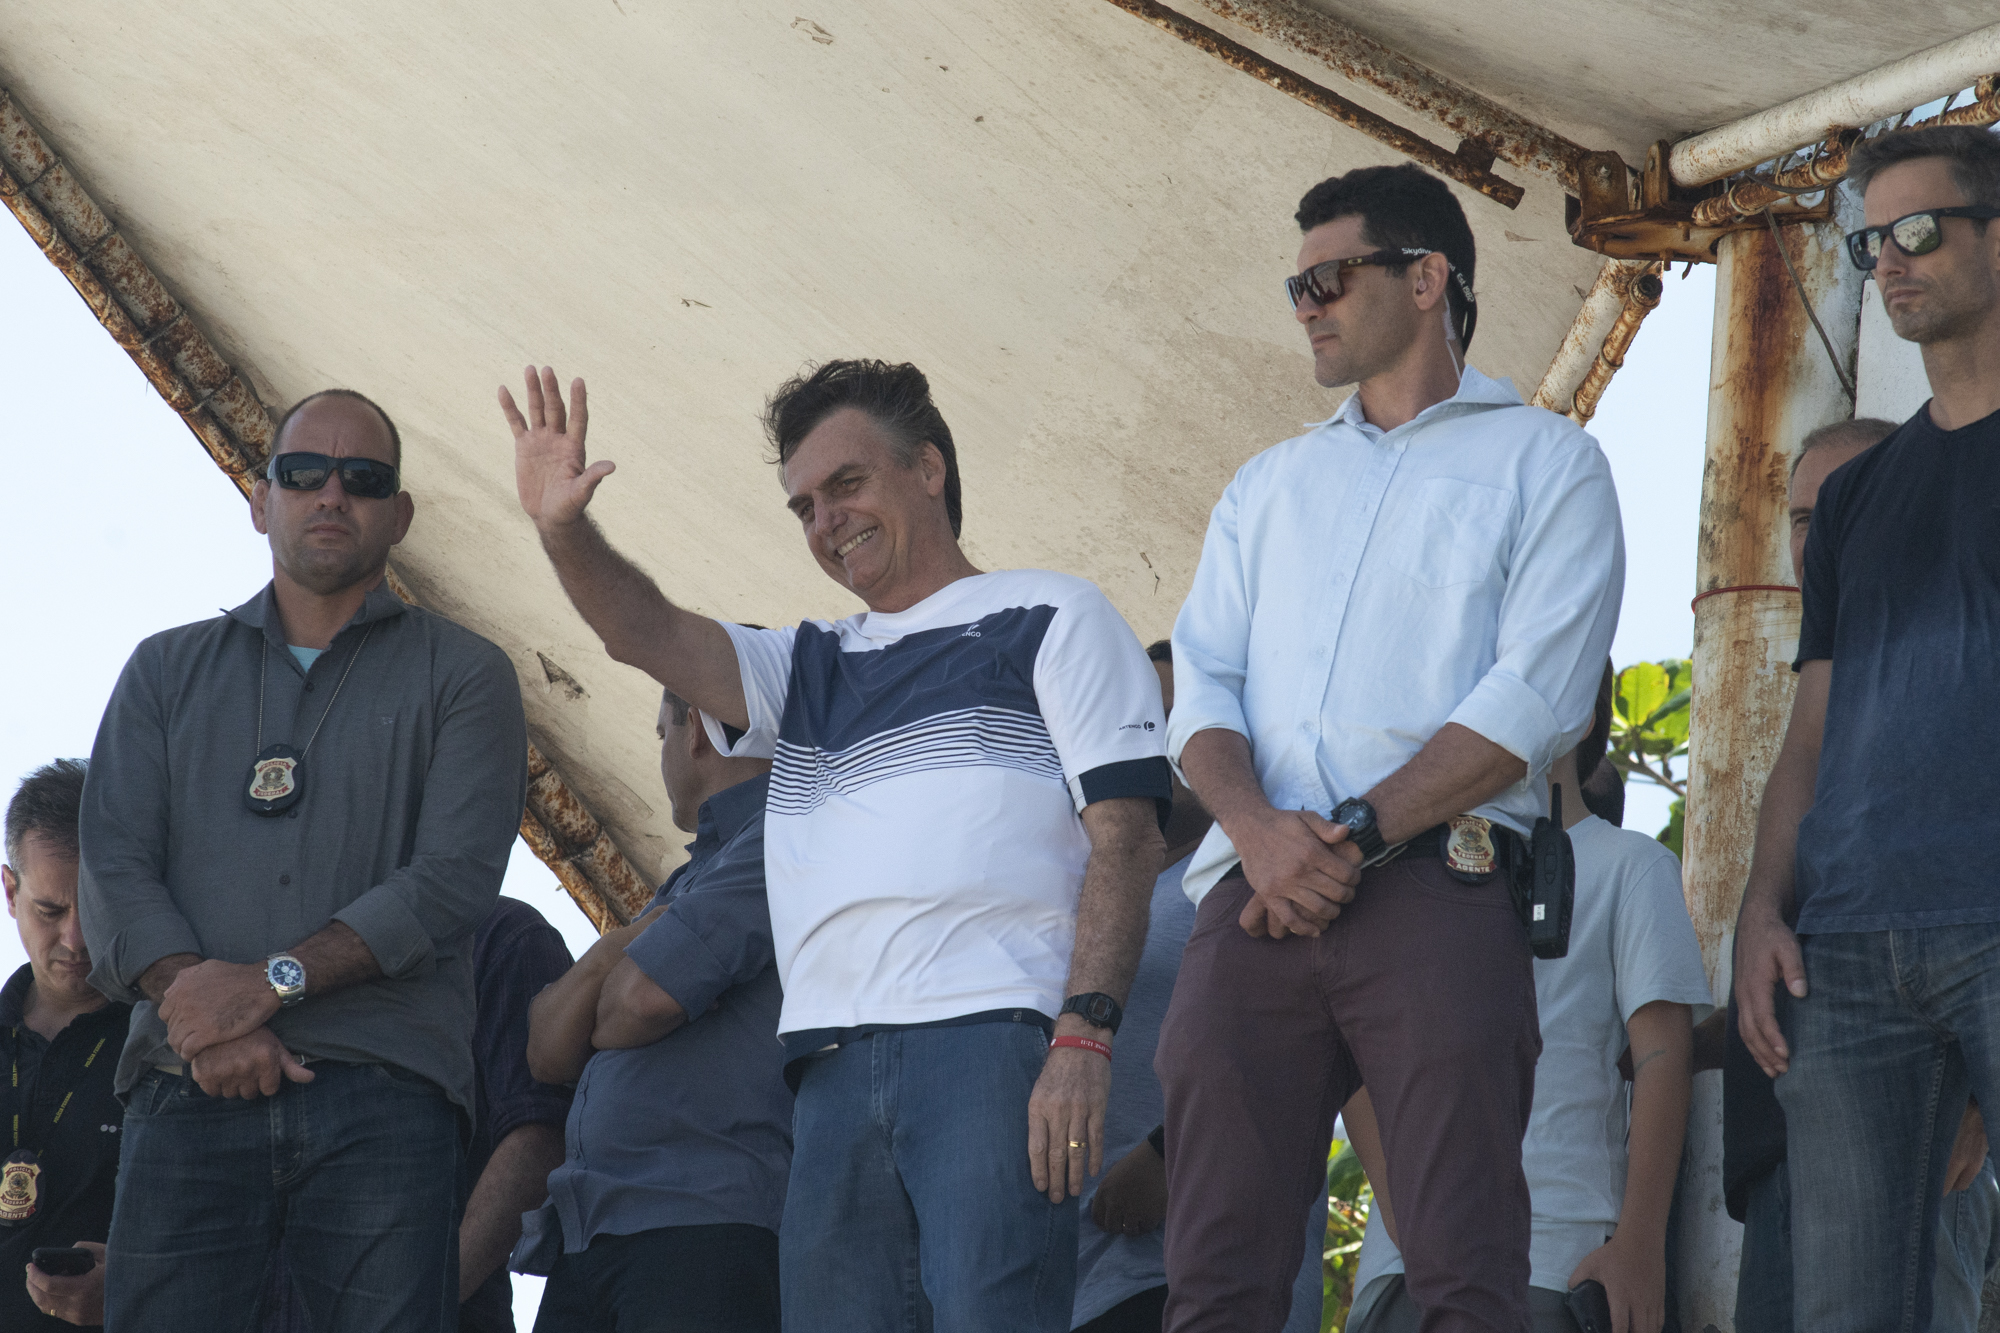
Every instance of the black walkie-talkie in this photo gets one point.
(1552, 882)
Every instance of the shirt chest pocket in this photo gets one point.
(1453, 532)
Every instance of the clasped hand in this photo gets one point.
(1301, 869)
(215, 1014)
(214, 1002)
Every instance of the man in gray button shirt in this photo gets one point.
(665, 1217)
(296, 817)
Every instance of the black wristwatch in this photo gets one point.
(1097, 1008)
(1359, 816)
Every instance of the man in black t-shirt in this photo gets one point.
(1755, 1184)
(59, 1044)
(1872, 897)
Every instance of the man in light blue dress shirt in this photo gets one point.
(1398, 624)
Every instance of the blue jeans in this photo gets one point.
(1898, 1027)
(356, 1172)
(910, 1206)
(1967, 1238)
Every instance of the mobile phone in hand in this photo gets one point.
(1589, 1306)
(58, 1261)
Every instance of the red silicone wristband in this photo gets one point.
(1085, 1042)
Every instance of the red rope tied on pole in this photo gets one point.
(1741, 587)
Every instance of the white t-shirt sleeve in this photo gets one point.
(764, 657)
(1654, 952)
(1100, 699)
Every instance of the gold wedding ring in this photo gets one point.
(1076, 1145)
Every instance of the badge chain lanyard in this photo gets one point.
(264, 674)
(16, 1081)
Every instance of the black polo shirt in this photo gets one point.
(71, 1117)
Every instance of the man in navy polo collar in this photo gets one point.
(665, 1215)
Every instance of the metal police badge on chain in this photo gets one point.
(277, 774)
(275, 780)
(1468, 849)
(20, 1187)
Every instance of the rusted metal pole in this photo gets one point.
(1827, 162)
(1361, 59)
(1468, 166)
(1771, 382)
(1865, 98)
(1625, 292)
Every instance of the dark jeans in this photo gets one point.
(1423, 987)
(357, 1171)
(708, 1279)
(911, 1207)
(1144, 1313)
(1967, 1238)
(1897, 1028)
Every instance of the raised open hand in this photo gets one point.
(549, 469)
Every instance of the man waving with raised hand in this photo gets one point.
(960, 844)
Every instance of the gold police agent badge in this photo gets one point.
(275, 780)
(272, 779)
(1468, 848)
(20, 1187)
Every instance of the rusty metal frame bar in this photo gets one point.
(1824, 164)
(1851, 103)
(235, 427)
(1363, 60)
(129, 300)
(1469, 165)
(1594, 350)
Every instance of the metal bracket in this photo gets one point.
(1647, 216)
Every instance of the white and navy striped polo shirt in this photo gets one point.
(922, 846)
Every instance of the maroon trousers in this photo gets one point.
(1422, 989)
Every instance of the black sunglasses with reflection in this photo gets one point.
(1913, 233)
(1321, 284)
(362, 477)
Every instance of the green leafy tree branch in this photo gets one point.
(1649, 731)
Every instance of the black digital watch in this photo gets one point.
(1097, 1008)
(1362, 830)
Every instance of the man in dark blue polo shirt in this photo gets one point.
(1868, 950)
(665, 1216)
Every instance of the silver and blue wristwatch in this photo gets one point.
(287, 976)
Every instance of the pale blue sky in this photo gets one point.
(118, 526)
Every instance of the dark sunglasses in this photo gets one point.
(361, 477)
(1914, 234)
(1322, 282)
